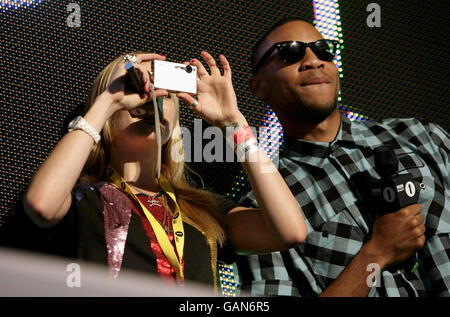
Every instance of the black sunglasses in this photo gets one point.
(294, 51)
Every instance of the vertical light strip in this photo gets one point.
(227, 279)
(270, 135)
(327, 20)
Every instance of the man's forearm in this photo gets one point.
(352, 282)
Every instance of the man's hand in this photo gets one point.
(396, 236)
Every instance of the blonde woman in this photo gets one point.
(99, 184)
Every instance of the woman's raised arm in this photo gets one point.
(48, 197)
(278, 222)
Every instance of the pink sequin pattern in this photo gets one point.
(117, 215)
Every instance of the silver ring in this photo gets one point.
(194, 104)
(130, 58)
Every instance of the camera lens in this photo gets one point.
(188, 69)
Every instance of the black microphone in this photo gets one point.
(393, 191)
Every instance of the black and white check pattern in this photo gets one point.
(324, 179)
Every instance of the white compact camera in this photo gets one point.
(175, 77)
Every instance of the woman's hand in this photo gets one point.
(270, 227)
(217, 101)
(127, 100)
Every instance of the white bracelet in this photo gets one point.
(246, 148)
(80, 124)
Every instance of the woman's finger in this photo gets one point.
(160, 93)
(226, 66)
(201, 71)
(149, 57)
(136, 100)
(146, 60)
(211, 63)
(144, 76)
(190, 101)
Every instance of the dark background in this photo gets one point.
(398, 70)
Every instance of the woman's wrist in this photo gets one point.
(106, 101)
(240, 137)
(235, 122)
(102, 109)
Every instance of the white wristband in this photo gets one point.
(246, 148)
(80, 124)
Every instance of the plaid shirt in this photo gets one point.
(322, 178)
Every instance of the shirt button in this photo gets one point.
(325, 234)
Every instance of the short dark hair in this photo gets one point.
(257, 45)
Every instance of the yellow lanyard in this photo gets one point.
(160, 233)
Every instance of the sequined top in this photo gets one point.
(103, 226)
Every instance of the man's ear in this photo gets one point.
(256, 86)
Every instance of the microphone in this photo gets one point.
(393, 191)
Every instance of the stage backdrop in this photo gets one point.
(52, 51)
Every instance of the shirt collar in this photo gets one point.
(315, 152)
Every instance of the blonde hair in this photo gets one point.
(197, 205)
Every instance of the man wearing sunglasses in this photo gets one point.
(351, 249)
